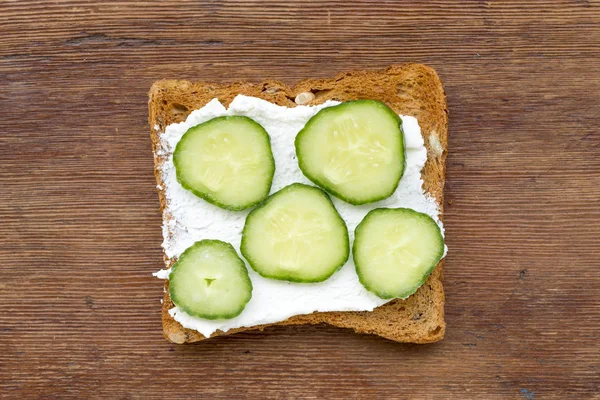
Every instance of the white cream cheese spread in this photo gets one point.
(192, 219)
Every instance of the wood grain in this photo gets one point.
(80, 227)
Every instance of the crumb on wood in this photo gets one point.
(522, 274)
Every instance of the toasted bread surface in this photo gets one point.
(409, 89)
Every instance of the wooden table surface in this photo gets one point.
(80, 225)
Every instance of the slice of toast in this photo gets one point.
(409, 89)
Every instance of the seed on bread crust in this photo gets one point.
(435, 146)
(304, 98)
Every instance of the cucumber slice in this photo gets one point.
(210, 280)
(354, 150)
(395, 250)
(227, 161)
(296, 235)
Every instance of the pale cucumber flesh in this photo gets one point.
(227, 161)
(354, 150)
(296, 235)
(395, 250)
(210, 280)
